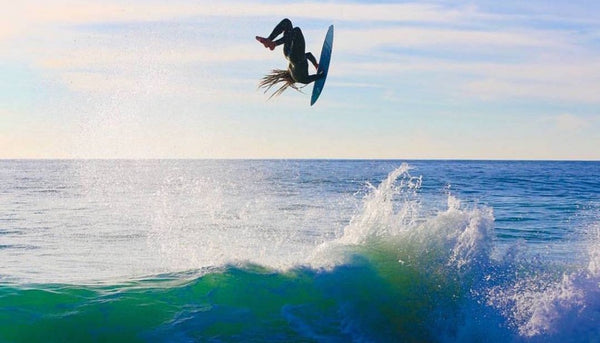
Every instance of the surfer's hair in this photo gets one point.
(278, 76)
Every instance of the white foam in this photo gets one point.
(475, 242)
(538, 299)
(553, 305)
(378, 216)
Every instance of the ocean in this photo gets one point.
(299, 251)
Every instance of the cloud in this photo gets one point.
(496, 89)
(114, 57)
(27, 12)
(556, 81)
(366, 40)
(490, 81)
(570, 122)
(28, 15)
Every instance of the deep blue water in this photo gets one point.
(299, 250)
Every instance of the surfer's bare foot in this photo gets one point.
(266, 42)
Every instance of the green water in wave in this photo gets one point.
(363, 300)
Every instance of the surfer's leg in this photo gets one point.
(285, 26)
(297, 46)
(312, 59)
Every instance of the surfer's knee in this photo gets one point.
(286, 24)
(296, 32)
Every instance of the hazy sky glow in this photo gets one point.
(177, 79)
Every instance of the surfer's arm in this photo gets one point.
(312, 60)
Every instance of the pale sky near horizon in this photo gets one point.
(178, 79)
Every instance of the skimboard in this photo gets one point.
(323, 65)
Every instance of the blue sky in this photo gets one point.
(178, 79)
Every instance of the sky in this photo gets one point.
(408, 80)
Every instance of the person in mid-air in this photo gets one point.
(294, 51)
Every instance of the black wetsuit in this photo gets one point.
(294, 50)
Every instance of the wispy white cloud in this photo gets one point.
(111, 57)
(569, 90)
(366, 40)
(576, 82)
(27, 15)
(570, 122)
(23, 14)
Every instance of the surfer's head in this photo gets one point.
(278, 76)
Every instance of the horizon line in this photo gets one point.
(295, 159)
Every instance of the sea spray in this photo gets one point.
(387, 210)
(432, 264)
(446, 264)
(550, 302)
(390, 217)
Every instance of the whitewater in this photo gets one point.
(299, 250)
